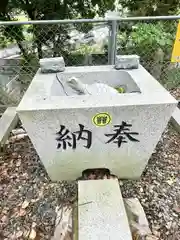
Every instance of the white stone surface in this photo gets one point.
(136, 217)
(101, 211)
(127, 62)
(51, 65)
(45, 107)
(8, 121)
(176, 119)
(90, 89)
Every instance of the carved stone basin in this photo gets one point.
(74, 132)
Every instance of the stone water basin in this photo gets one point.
(72, 132)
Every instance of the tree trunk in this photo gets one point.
(31, 12)
(23, 51)
(39, 48)
(3, 6)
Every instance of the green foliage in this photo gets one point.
(10, 34)
(171, 78)
(153, 42)
(151, 7)
(145, 38)
(152, 34)
(53, 35)
(13, 32)
(3, 41)
(148, 38)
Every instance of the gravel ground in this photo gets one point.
(159, 188)
(29, 198)
(176, 93)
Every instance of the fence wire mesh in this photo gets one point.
(21, 47)
(153, 41)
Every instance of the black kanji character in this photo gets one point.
(122, 132)
(88, 137)
(65, 137)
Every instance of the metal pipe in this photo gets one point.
(109, 44)
(68, 21)
(7, 105)
(54, 21)
(112, 44)
(172, 17)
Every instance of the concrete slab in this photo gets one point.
(137, 218)
(117, 132)
(101, 211)
(63, 223)
(175, 119)
(7, 122)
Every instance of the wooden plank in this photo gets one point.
(101, 211)
(8, 121)
(175, 119)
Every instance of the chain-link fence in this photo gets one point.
(83, 42)
(153, 41)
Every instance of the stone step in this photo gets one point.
(101, 211)
(8, 121)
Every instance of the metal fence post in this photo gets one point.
(112, 43)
